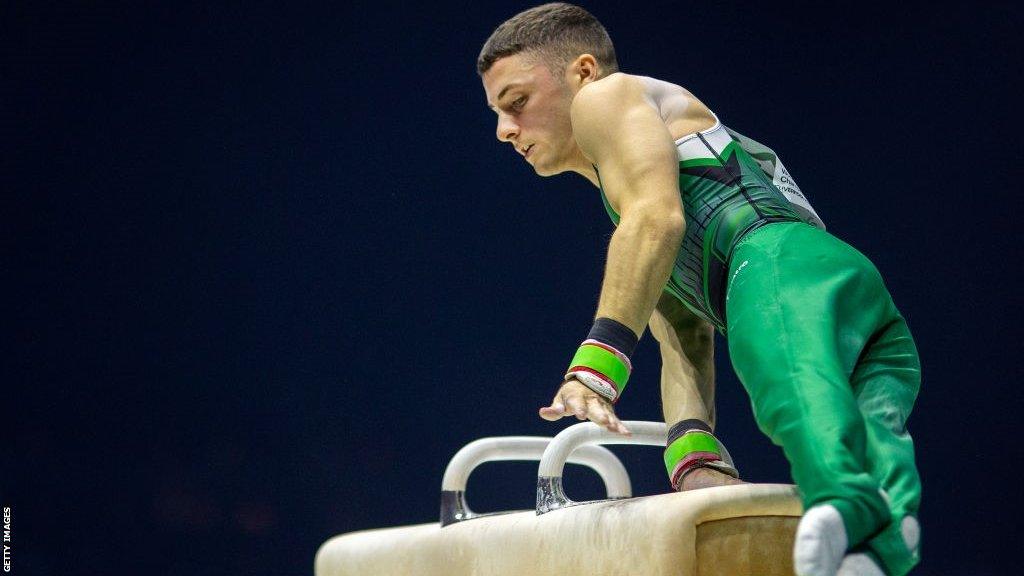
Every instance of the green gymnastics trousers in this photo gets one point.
(832, 373)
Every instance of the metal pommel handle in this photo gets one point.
(550, 494)
(504, 448)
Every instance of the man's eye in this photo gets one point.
(519, 102)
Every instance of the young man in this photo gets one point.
(708, 237)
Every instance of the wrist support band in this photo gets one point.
(602, 362)
(601, 368)
(615, 334)
(694, 448)
(680, 428)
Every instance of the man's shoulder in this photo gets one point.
(614, 90)
(620, 90)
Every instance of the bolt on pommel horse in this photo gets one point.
(741, 530)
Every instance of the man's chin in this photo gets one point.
(542, 170)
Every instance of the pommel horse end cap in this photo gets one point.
(737, 530)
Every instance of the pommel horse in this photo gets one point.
(742, 530)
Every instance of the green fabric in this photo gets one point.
(604, 362)
(705, 161)
(832, 373)
(687, 444)
(724, 197)
(771, 165)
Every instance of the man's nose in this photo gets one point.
(507, 129)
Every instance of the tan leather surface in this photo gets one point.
(752, 545)
(679, 534)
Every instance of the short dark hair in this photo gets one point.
(557, 33)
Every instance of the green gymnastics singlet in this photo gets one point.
(826, 358)
(727, 192)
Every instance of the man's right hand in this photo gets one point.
(575, 399)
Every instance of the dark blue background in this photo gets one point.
(267, 268)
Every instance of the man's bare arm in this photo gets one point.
(686, 343)
(623, 134)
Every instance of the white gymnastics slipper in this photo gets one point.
(820, 542)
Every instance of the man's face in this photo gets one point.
(533, 113)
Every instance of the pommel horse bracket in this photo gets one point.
(578, 444)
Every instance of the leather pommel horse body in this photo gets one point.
(730, 530)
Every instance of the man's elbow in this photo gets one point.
(675, 226)
(666, 226)
(661, 221)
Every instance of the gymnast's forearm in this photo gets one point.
(640, 257)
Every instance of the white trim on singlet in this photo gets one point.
(692, 146)
(716, 138)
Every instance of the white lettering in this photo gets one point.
(733, 279)
(7, 538)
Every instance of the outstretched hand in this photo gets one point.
(575, 399)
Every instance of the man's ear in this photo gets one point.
(582, 71)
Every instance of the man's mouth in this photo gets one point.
(526, 151)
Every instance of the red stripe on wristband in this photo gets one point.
(590, 370)
(599, 375)
(692, 460)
